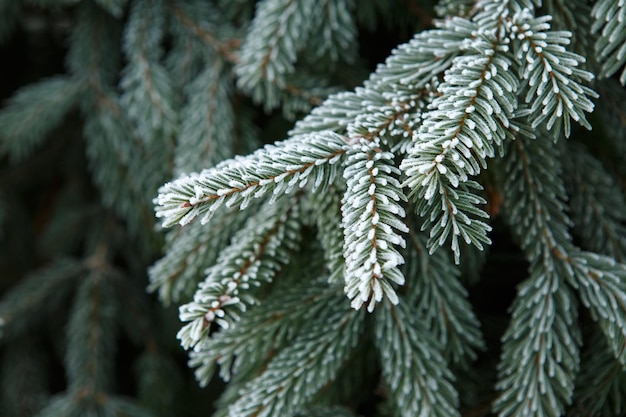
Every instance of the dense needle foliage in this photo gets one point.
(326, 231)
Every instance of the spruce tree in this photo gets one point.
(249, 194)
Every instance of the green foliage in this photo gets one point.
(34, 112)
(324, 236)
(418, 377)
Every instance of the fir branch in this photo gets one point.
(310, 361)
(540, 354)
(596, 203)
(280, 28)
(442, 302)
(91, 336)
(601, 384)
(118, 159)
(159, 383)
(326, 209)
(601, 283)
(199, 20)
(610, 21)
(534, 195)
(255, 256)
(372, 214)
(412, 365)
(94, 52)
(455, 139)
(394, 118)
(262, 330)
(208, 120)
(573, 15)
(274, 169)
(555, 92)
(368, 113)
(33, 112)
(426, 56)
(148, 96)
(83, 404)
(188, 252)
(334, 114)
(25, 304)
(337, 37)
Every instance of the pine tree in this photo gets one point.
(442, 233)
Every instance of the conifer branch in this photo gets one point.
(371, 211)
(91, 324)
(552, 74)
(312, 360)
(601, 385)
(602, 287)
(148, 95)
(208, 122)
(274, 169)
(28, 301)
(442, 303)
(595, 203)
(189, 251)
(326, 208)
(161, 86)
(254, 257)
(115, 7)
(412, 365)
(455, 139)
(33, 112)
(610, 21)
(263, 329)
(227, 49)
(540, 348)
(278, 31)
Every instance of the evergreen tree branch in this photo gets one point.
(602, 287)
(442, 303)
(337, 37)
(263, 330)
(455, 139)
(534, 196)
(540, 355)
(412, 365)
(185, 16)
(280, 28)
(115, 7)
(189, 251)
(326, 209)
(596, 203)
(33, 112)
(89, 370)
(148, 95)
(610, 21)
(601, 384)
(274, 169)
(255, 256)
(371, 211)
(208, 120)
(25, 304)
(310, 361)
(554, 90)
